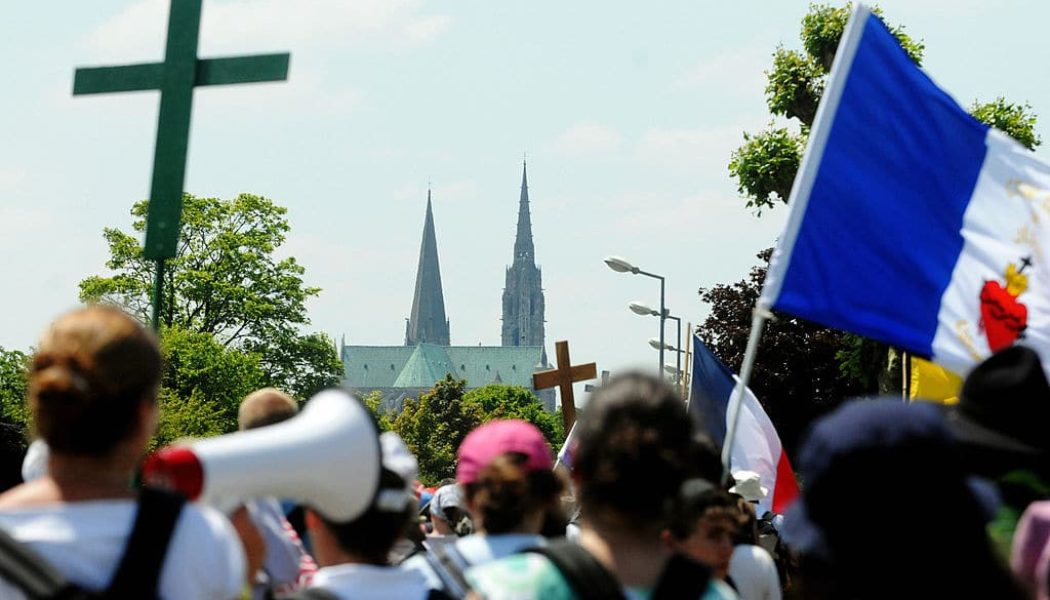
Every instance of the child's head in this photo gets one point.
(704, 524)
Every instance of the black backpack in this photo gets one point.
(682, 578)
(137, 574)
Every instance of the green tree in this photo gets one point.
(497, 401)
(193, 417)
(209, 377)
(374, 402)
(433, 426)
(14, 388)
(794, 387)
(764, 166)
(226, 281)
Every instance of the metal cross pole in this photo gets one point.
(663, 317)
(677, 348)
(176, 77)
(563, 377)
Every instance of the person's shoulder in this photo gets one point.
(205, 553)
(719, 590)
(750, 556)
(522, 576)
(198, 521)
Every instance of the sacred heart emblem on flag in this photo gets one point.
(1003, 318)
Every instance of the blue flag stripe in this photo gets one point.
(803, 184)
(711, 387)
(879, 234)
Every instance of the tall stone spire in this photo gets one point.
(427, 322)
(523, 305)
(523, 248)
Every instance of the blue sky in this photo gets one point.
(628, 113)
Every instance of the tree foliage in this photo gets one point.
(226, 282)
(209, 377)
(794, 386)
(1017, 120)
(434, 424)
(497, 401)
(14, 388)
(765, 165)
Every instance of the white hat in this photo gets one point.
(749, 486)
(399, 460)
(34, 466)
(446, 496)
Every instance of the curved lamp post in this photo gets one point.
(622, 265)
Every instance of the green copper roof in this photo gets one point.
(424, 364)
(428, 364)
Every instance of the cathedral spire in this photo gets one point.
(523, 305)
(523, 248)
(427, 322)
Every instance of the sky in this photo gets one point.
(628, 113)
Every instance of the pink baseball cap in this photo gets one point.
(501, 437)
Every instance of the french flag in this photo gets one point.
(911, 222)
(756, 446)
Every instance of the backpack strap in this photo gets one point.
(449, 564)
(587, 577)
(312, 593)
(683, 578)
(25, 569)
(139, 570)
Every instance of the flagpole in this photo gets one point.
(905, 376)
(688, 361)
(758, 321)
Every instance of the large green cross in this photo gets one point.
(175, 78)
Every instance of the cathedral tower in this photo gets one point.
(428, 322)
(523, 294)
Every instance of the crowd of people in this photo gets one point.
(898, 500)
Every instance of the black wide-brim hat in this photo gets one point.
(1002, 420)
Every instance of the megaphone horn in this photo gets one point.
(327, 457)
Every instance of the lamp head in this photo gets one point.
(640, 308)
(620, 265)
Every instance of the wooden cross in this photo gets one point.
(175, 78)
(563, 377)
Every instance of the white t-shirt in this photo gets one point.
(477, 550)
(370, 582)
(754, 573)
(85, 542)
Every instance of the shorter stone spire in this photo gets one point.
(428, 322)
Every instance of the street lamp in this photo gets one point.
(674, 372)
(622, 265)
(640, 308)
(655, 343)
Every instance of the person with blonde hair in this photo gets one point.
(93, 387)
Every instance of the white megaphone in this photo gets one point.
(327, 457)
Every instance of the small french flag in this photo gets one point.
(756, 446)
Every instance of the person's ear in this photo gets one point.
(668, 539)
(313, 522)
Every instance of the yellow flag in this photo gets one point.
(934, 383)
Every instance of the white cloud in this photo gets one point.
(587, 139)
(242, 26)
(10, 177)
(707, 150)
(738, 72)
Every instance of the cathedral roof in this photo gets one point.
(421, 366)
